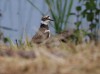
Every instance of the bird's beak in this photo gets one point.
(51, 19)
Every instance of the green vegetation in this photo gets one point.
(60, 12)
(89, 10)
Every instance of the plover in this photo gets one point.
(43, 33)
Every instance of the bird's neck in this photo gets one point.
(44, 22)
(44, 26)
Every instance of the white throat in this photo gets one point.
(44, 22)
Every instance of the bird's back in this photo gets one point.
(40, 36)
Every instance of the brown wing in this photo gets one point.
(40, 36)
(37, 38)
(45, 35)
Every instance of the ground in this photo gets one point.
(67, 58)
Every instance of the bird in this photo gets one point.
(44, 32)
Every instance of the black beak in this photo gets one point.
(51, 19)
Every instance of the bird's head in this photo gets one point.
(45, 20)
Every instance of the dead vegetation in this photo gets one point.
(65, 59)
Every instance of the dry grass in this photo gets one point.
(63, 59)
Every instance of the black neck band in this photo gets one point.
(44, 26)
